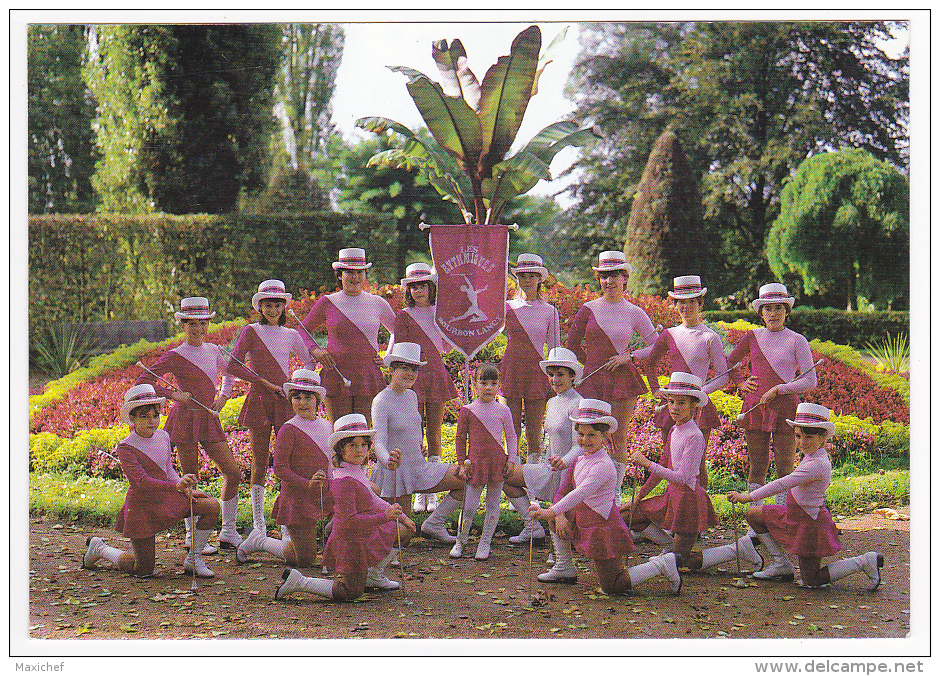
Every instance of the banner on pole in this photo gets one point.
(471, 262)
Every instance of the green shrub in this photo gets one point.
(49, 453)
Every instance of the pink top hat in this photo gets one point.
(592, 412)
(306, 380)
(272, 289)
(687, 384)
(813, 415)
(689, 286)
(529, 262)
(352, 259)
(419, 272)
(195, 307)
(609, 261)
(350, 425)
(139, 395)
(772, 293)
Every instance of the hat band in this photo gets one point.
(272, 289)
(810, 419)
(304, 381)
(200, 310)
(611, 262)
(528, 264)
(592, 413)
(420, 273)
(687, 289)
(678, 385)
(357, 426)
(353, 261)
(144, 395)
(773, 294)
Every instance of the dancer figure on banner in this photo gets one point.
(474, 314)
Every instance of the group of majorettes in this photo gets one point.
(585, 409)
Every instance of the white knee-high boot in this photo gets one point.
(376, 579)
(194, 559)
(522, 506)
(564, 569)
(751, 487)
(780, 568)
(657, 535)
(471, 500)
(490, 521)
(207, 550)
(869, 563)
(745, 548)
(257, 507)
(228, 535)
(257, 541)
(99, 549)
(664, 564)
(434, 526)
(295, 581)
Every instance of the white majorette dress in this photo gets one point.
(606, 328)
(300, 450)
(416, 325)
(691, 350)
(776, 358)
(530, 326)
(197, 370)
(268, 348)
(352, 324)
(397, 424)
(480, 430)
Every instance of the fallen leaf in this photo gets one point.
(128, 628)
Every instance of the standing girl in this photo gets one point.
(531, 324)
(302, 463)
(606, 325)
(692, 348)
(803, 525)
(365, 527)
(401, 469)
(156, 497)
(481, 426)
(352, 317)
(434, 387)
(196, 365)
(268, 345)
(777, 356)
(585, 509)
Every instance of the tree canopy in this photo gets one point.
(844, 227)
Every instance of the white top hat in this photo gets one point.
(813, 415)
(195, 307)
(687, 384)
(306, 380)
(529, 262)
(419, 272)
(409, 353)
(270, 289)
(350, 425)
(562, 356)
(608, 261)
(139, 395)
(592, 412)
(689, 286)
(352, 259)
(772, 293)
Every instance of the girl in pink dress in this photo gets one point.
(531, 324)
(481, 426)
(352, 318)
(302, 463)
(365, 527)
(196, 365)
(692, 348)
(585, 509)
(606, 326)
(157, 497)
(685, 508)
(803, 525)
(267, 345)
(434, 387)
(778, 355)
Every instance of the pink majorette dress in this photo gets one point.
(480, 430)
(685, 506)
(196, 370)
(590, 498)
(362, 535)
(416, 325)
(606, 328)
(530, 326)
(691, 350)
(152, 503)
(268, 348)
(776, 356)
(804, 526)
(352, 325)
(298, 455)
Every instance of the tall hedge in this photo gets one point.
(107, 266)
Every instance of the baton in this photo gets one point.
(657, 330)
(176, 389)
(346, 381)
(741, 417)
(710, 380)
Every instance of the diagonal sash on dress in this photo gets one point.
(763, 353)
(263, 359)
(514, 325)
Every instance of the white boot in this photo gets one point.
(664, 564)
(869, 563)
(434, 527)
(533, 458)
(207, 550)
(194, 560)
(457, 550)
(780, 499)
(295, 581)
(376, 579)
(285, 535)
(522, 506)
(657, 535)
(715, 555)
(421, 503)
(228, 536)
(780, 568)
(257, 541)
(99, 549)
(490, 522)
(564, 570)
(751, 487)
(257, 507)
(432, 501)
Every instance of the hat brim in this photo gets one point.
(543, 272)
(389, 358)
(622, 266)
(758, 303)
(186, 315)
(318, 390)
(605, 419)
(346, 266)
(573, 365)
(701, 396)
(258, 297)
(681, 296)
(432, 278)
(131, 405)
(345, 434)
(829, 426)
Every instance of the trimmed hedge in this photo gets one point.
(837, 326)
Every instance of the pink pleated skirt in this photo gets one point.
(486, 468)
(520, 376)
(349, 551)
(191, 426)
(264, 409)
(771, 417)
(799, 533)
(680, 509)
(625, 382)
(365, 377)
(146, 513)
(295, 506)
(598, 538)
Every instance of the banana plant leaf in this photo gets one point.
(547, 57)
(458, 80)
